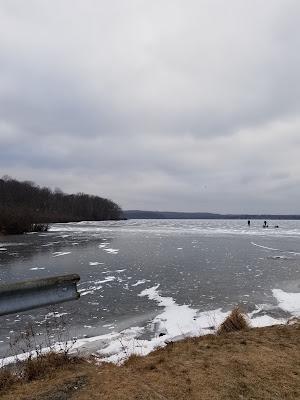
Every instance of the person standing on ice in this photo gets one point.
(249, 222)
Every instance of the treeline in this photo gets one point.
(25, 207)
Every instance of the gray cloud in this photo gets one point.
(158, 105)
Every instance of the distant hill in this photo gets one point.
(138, 214)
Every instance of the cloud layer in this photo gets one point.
(163, 105)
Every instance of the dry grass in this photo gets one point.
(45, 365)
(261, 363)
(7, 379)
(236, 321)
(32, 369)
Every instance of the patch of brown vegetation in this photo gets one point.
(35, 368)
(64, 391)
(7, 379)
(45, 365)
(236, 321)
(259, 363)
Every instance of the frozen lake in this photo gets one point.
(140, 278)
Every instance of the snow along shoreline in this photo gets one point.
(174, 323)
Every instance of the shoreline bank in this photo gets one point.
(259, 363)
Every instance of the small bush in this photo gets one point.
(236, 321)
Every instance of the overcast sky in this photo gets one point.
(157, 104)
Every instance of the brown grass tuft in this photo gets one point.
(236, 321)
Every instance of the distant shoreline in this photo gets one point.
(139, 214)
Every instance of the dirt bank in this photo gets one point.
(262, 363)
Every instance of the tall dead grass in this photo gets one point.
(236, 321)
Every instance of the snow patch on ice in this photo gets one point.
(264, 247)
(36, 268)
(11, 244)
(140, 282)
(178, 320)
(49, 244)
(111, 251)
(289, 302)
(95, 263)
(270, 248)
(97, 285)
(265, 320)
(60, 253)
